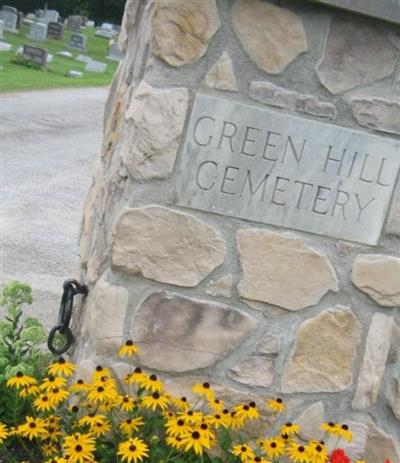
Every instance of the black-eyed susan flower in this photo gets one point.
(3, 432)
(317, 452)
(100, 372)
(30, 391)
(32, 428)
(237, 421)
(52, 381)
(216, 404)
(49, 449)
(204, 390)
(274, 446)
(177, 427)
(43, 403)
(61, 367)
(329, 428)
(276, 405)
(182, 403)
(101, 393)
(195, 441)
(131, 425)
(243, 451)
(133, 450)
(247, 411)
(90, 419)
(155, 400)
(206, 432)
(258, 459)
(193, 417)
(79, 386)
(53, 434)
(152, 383)
(297, 453)
(21, 381)
(136, 377)
(100, 427)
(79, 448)
(344, 432)
(57, 395)
(290, 428)
(216, 420)
(127, 403)
(175, 442)
(128, 349)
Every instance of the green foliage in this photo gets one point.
(20, 342)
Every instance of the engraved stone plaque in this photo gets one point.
(254, 163)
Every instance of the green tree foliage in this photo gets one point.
(98, 10)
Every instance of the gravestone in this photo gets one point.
(90, 23)
(39, 13)
(55, 30)
(35, 55)
(77, 42)
(96, 66)
(114, 53)
(83, 58)
(4, 46)
(106, 31)
(20, 19)
(74, 23)
(37, 31)
(51, 16)
(10, 9)
(10, 20)
(1, 29)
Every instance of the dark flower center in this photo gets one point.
(273, 445)
(126, 399)
(99, 368)
(156, 395)
(204, 426)
(289, 425)
(75, 409)
(279, 401)
(153, 378)
(180, 422)
(196, 435)
(318, 448)
(132, 448)
(80, 381)
(252, 404)
(243, 449)
(78, 448)
(138, 370)
(20, 374)
(56, 390)
(61, 360)
(100, 389)
(128, 421)
(129, 342)
(184, 399)
(32, 425)
(218, 417)
(246, 407)
(206, 385)
(301, 449)
(345, 427)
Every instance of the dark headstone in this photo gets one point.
(55, 30)
(35, 55)
(77, 42)
(74, 23)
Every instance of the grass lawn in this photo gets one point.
(17, 77)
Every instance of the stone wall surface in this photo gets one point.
(257, 309)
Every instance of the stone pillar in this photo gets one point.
(243, 224)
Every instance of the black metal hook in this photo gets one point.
(71, 289)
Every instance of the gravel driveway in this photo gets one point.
(49, 141)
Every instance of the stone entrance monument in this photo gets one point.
(243, 224)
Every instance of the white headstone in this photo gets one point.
(90, 23)
(10, 20)
(105, 33)
(73, 73)
(1, 29)
(107, 26)
(64, 54)
(5, 46)
(96, 66)
(51, 16)
(38, 31)
(114, 53)
(83, 58)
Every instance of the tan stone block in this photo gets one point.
(182, 30)
(324, 353)
(164, 245)
(180, 334)
(393, 223)
(377, 113)
(374, 361)
(221, 75)
(310, 421)
(281, 270)
(155, 122)
(272, 36)
(107, 306)
(354, 59)
(378, 276)
(380, 446)
(255, 371)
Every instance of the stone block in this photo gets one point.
(378, 114)
(280, 269)
(96, 66)
(374, 362)
(272, 36)
(221, 287)
(273, 95)
(168, 246)
(351, 59)
(179, 334)
(156, 118)
(221, 76)
(254, 371)
(378, 276)
(324, 353)
(182, 30)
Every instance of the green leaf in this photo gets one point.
(225, 439)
